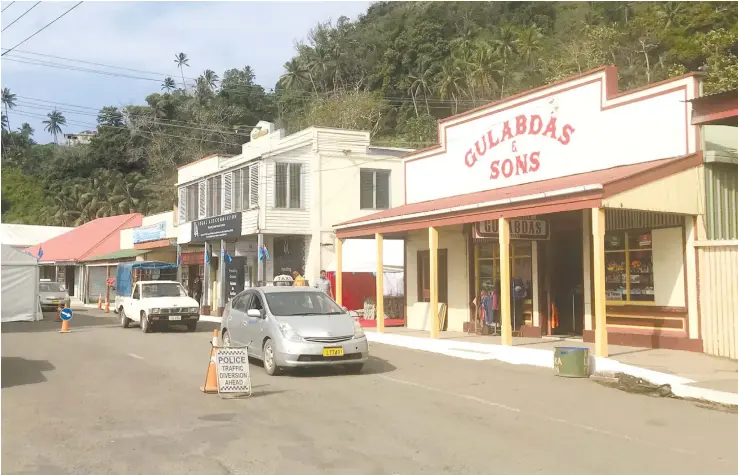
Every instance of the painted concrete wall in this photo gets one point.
(668, 267)
(418, 313)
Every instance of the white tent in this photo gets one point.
(19, 280)
(360, 255)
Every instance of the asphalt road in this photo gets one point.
(104, 400)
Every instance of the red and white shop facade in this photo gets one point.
(568, 209)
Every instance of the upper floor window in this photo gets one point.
(288, 185)
(192, 200)
(215, 188)
(374, 189)
(246, 188)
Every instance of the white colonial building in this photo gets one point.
(282, 193)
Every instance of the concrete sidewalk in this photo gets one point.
(690, 374)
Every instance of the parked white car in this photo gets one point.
(159, 304)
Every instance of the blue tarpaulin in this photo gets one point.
(124, 280)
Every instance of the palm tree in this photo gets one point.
(168, 84)
(53, 124)
(295, 74)
(26, 129)
(181, 60)
(450, 82)
(529, 43)
(506, 48)
(211, 79)
(8, 100)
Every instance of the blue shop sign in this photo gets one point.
(153, 232)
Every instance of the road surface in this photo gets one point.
(105, 400)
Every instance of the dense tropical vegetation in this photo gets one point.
(395, 72)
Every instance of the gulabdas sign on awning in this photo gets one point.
(529, 229)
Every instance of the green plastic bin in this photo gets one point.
(571, 362)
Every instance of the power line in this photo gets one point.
(243, 89)
(24, 14)
(9, 4)
(42, 28)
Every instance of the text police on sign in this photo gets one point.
(232, 365)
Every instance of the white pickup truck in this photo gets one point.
(158, 304)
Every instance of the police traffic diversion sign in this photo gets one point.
(232, 366)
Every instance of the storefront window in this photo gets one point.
(629, 267)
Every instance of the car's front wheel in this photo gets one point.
(192, 326)
(270, 363)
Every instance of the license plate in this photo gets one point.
(175, 317)
(332, 351)
(54, 301)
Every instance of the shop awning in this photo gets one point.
(586, 190)
(117, 255)
(716, 109)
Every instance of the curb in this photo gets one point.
(602, 368)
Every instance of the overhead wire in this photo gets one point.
(9, 4)
(42, 28)
(242, 89)
(24, 14)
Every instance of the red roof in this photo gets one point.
(95, 238)
(611, 181)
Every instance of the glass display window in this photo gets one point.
(629, 267)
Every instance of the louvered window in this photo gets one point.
(182, 205)
(374, 189)
(254, 186)
(201, 199)
(227, 192)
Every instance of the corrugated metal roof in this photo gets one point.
(121, 254)
(95, 238)
(24, 235)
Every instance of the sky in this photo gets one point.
(142, 36)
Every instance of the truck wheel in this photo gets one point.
(145, 325)
(124, 320)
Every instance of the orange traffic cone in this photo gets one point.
(211, 379)
(58, 313)
(99, 302)
(65, 327)
(107, 304)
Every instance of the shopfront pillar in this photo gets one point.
(505, 314)
(179, 263)
(433, 258)
(205, 299)
(598, 279)
(222, 276)
(339, 271)
(379, 238)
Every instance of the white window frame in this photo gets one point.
(375, 172)
(288, 194)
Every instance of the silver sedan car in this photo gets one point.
(290, 327)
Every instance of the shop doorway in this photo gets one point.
(567, 281)
(69, 280)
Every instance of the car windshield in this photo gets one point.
(168, 289)
(50, 287)
(287, 304)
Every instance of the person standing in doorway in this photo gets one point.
(198, 290)
(324, 284)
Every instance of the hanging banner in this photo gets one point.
(520, 228)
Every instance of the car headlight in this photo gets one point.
(155, 311)
(289, 333)
(358, 331)
(194, 310)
